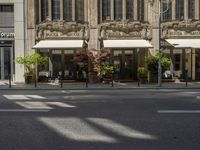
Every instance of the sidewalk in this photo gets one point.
(93, 86)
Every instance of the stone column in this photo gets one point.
(61, 10)
(186, 9)
(197, 7)
(100, 11)
(173, 10)
(124, 9)
(20, 32)
(50, 9)
(93, 24)
(135, 9)
(73, 10)
(146, 10)
(86, 10)
(40, 11)
(112, 10)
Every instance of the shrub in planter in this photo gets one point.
(142, 74)
(30, 62)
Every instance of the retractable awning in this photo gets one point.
(59, 44)
(126, 44)
(184, 43)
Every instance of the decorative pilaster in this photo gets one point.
(135, 9)
(50, 9)
(39, 11)
(61, 10)
(186, 8)
(173, 10)
(112, 9)
(197, 5)
(146, 10)
(124, 9)
(86, 10)
(100, 11)
(73, 10)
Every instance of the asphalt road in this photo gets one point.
(139, 119)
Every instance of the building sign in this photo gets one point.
(183, 33)
(4, 35)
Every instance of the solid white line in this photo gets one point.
(23, 110)
(180, 111)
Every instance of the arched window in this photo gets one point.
(129, 9)
(67, 10)
(167, 11)
(118, 9)
(191, 10)
(106, 10)
(44, 9)
(179, 9)
(80, 10)
(55, 9)
(141, 10)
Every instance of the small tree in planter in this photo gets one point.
(105, 73)
(152, 64)
(30, 62)
(93, 59)
(142, 74)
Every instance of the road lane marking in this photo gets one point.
(60, 104)
(179, 111)
(34, 105)
(23, 97)
(23, 110)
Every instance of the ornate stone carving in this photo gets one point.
(61, 30)
(125, 30)
(181, 28)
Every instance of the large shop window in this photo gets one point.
(129, 9)
(79, 10)
(179, 9)
(197, 66)
(191, 4)
(55, 9)
(118, 9)
(167, 9)
(44, 9)
(67, 10)
(141, 10)
(106, 10)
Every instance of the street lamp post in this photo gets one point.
(159, 12)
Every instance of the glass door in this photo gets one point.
(56, 60)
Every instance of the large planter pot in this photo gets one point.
(143, 80)
(154, 77)
(28, 79)
(92, 77)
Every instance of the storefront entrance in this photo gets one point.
(62, 63)
(197, 65)
(6, 67)
(125, 63)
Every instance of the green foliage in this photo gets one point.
(152, 63)
(142, 72)
(105, 70)
(30, 61)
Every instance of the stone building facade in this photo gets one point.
(128, 28)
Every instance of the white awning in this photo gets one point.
(126, 44)
(184, 43)
(59, 44)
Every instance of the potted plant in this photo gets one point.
(105, 73)
(152, 65)
(30, 63)
(142, 74)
